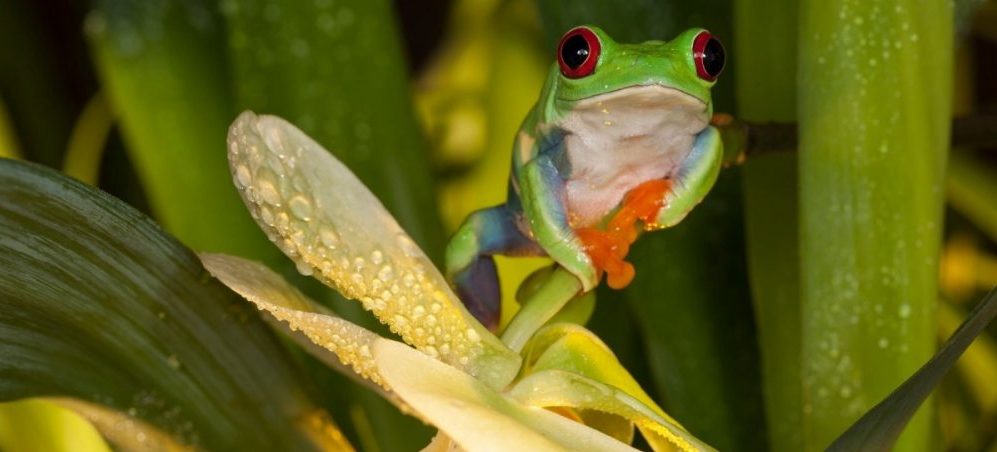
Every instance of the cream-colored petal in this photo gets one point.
(327, 221)
(442, 443)
(559, 388)
(475, 416)
(297, 313)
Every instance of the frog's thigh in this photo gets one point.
(693, 179)
(470, 265)
(484, 233)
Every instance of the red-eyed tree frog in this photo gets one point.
(619, 140)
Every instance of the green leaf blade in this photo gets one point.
(164, 68)
(100, 305)
(874, 125)
(764, 54)
(880, 427)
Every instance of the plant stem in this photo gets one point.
(875, 112)
(765, 73)
(559, 288)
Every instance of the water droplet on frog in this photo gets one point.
(386, 273)
(376, 257)
(300, 206)
(472, 335)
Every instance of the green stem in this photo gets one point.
(874, 108)
(559, 288)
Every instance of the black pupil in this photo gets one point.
(576, 50)
(713, 57)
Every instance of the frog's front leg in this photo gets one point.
(544, 199)
(693, 180)
(469, 262)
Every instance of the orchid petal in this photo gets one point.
(558, 388)
(326, 220)
(589, 363)
(295, 312)
(475, 416)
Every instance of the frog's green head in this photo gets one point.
(590, 63)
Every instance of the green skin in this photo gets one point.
(642, 114)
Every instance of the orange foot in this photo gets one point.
(607, 249)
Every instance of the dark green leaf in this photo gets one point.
(164, 67)
(98, 304)
(336, 71)
(764, 53)
(880, 427)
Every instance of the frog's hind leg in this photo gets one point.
(470, 265)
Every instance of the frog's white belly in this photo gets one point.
(618, 140)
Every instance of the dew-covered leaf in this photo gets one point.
(879, 428)
(474, 415)
(327, 221)
(295, 312)
(98, 304)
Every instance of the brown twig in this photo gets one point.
(751, 139)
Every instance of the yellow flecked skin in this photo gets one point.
(319, 214)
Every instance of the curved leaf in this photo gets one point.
(324, 333)
(327, 221)
(474, 415)
(98, 304)
(587, 375)
(558, 388)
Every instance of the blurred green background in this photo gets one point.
(804, 288)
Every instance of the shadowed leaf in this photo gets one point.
(98, 304)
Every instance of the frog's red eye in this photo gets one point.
(578, 52)
(709, 56)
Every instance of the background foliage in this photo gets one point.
(422, 99)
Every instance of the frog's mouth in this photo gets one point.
(643, 109)
(640, 91)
